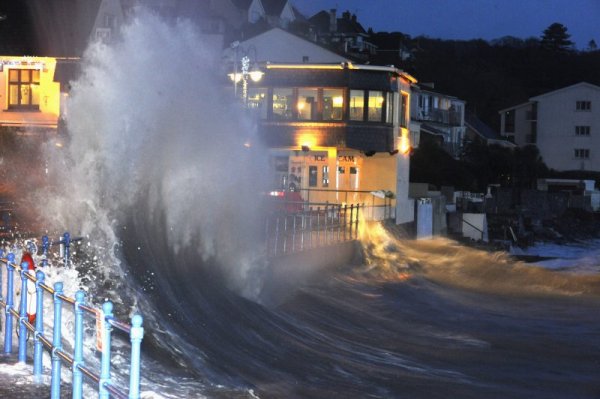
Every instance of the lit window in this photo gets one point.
(312, 176)
(325, 176)
(283, 100)
(333, 104)
(404, 111)
(24, 88)
(307, 104)
(357, 105)
(582, 130)
(582, 153)
(375, 106)
(583, 106)
(389, 107)
(257, 102)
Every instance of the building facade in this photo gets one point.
(337, 133)
(29, 96)
(438, 117)
(564, 124)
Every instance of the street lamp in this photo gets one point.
(254, 73)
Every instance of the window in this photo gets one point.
(24, 88)
(325, 176)
(509, 121)
(257, 102)
(283, 103)
(333, 104)
(582, 130)
(583, 106)
(307, 104)
(582, 153)
(357, 105)
(389, 107)
(312, 176)
(404, 111)
(375, 106)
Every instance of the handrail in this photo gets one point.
(104, 322)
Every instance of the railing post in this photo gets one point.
(78, 347)
(10, 296)
(318, 226)
(23, 315)
(39, 327)
(45, 246)
(1, 257)
(67, 247)
(351, 219)
(56, 341)
(136, 335)
(107, 314)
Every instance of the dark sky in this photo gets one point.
(470, 19)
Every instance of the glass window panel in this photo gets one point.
(25, 93)
(357, 105)
(35, 94)
(13, 95)
(389, 107)
(283, 103)
(257, 102)
(325, 176)
(307, 104)
(312, 176)
(375, 106)
(35, 76)
(13, 75)
(333, 104)
(25, 76)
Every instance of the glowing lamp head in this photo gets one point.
(256, 75)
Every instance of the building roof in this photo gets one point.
(481, 128)
(273, 7)
(551, 93)
(432, 130)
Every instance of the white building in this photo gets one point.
(564, 124)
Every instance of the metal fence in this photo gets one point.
(105, 322)
(289, 232)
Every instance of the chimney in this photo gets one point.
(332, 20)
(354, 18)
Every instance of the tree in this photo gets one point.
(592, 46)
(556, 38)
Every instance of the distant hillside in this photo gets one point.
(489, 76)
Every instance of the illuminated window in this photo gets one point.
(404, 110)
(257, 102)
(375, 106)
(357, 105)
(389, 107)
(312, 176)
(325, 176)
(283, 100)
(307, 104)
(582, 153)
(24, 88)
(583, 105)
(582, 130)
(333, 104)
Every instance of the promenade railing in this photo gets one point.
(317, 226)
(53, 343)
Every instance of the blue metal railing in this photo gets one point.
(105, 322)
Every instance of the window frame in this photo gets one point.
(19, 84)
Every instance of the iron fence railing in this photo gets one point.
(105, 322)
(290, 232)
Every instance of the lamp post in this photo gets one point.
(255, 74)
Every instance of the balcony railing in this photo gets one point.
(445, 116)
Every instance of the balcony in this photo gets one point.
(359, 136)
(443, 116)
